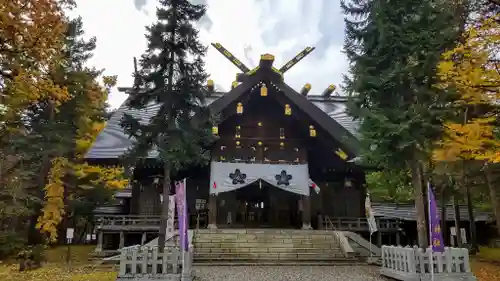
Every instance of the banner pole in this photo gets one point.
(431, 258)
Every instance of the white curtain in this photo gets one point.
(231, 176)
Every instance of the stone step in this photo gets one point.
(236, 244)
(262, 231)
(257, 236)
(267, 250)
(232, 262)
(269, 256)
(267, 240)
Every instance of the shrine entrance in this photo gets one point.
(261, 205)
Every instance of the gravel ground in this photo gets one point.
(287, 273)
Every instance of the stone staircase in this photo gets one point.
(273, 246)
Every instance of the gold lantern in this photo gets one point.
(237, 135)
(263, 91)
(340, 153)
(282, 144)
(210, 85)
(238, 143)
(288, 109)
(215, 130)
(259, 124)
(259, 143)
(312, 131)
(239, 108)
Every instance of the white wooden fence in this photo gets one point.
(147, 263)
(415, 264)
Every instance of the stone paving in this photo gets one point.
(287, 273)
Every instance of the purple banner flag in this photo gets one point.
(180, 196)
(436, 235)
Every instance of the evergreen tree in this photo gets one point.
(394, 47)
(171, 74)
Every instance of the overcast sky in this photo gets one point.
(247, 28)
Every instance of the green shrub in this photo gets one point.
(10, 243)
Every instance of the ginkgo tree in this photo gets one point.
(471, 70)
(79, 119)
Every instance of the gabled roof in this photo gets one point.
(327, 112)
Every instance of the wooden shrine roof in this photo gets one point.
(112, 142)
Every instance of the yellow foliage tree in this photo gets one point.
(32, 33)
(110, 177)
(472, 70)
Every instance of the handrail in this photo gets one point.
(357, 224)
(119, 221)
(328, 222)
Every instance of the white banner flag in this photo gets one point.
(370, 217)
(170, 219)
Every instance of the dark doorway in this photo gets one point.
(261, 205)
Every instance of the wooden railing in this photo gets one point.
(121, 222)
(143, 222)
(357, 224)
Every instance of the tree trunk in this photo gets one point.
(416, 178)
(164, 209)
(493, 197)
(470, 210)
(443, 214)
(456, 209)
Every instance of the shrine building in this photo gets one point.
(283, 159)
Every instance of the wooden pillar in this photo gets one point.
(143, 238)
(212, 211)
(122, 239)
(99, 241)
(306, 212)
(320, 221)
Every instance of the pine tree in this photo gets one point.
(171, 74)
(394, 47)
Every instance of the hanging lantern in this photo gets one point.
(210, 85)
(215, 130)
(237, 134)
(238, 143)
(259, 124)
(288, 109)
(263, 90)
(340, 153)
(312, 131)
(239, 108)
(282, 144)
(282, 133)
(259, 143)
(222, 158)
(347, 182)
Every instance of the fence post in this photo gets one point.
(383, 255)
(448, 259)
(123, 263)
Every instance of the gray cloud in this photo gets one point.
(205, 22)
(249, 56)
(140, 4)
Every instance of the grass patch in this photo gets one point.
(56, 268)
(486, 264)
(78, 254)
(55, 272)
(489, 254)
